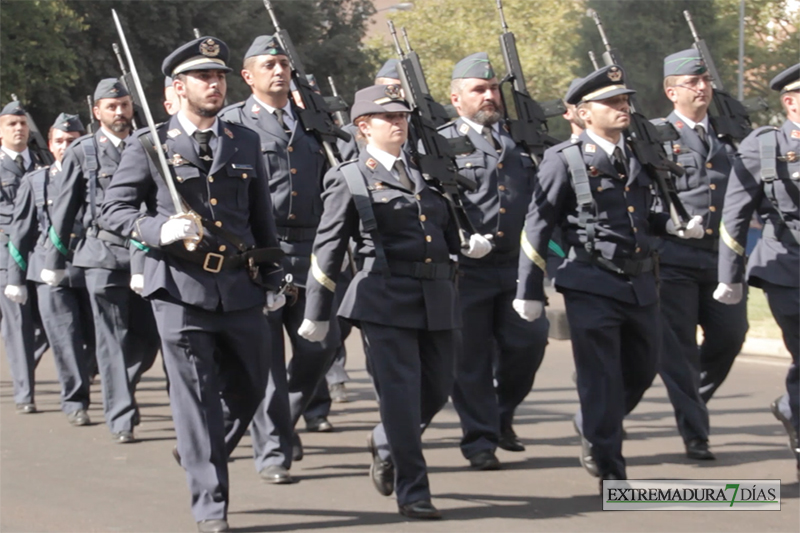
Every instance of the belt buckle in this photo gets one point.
(220, 259)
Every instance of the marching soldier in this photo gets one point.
(65, 311)
(601, 197)
(764, 180)
(688, 267)
(208, 302)
(295, 165)
(505, 175)
(23, 344)
(126, 342)
(404, 297)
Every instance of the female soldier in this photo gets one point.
(404, 298)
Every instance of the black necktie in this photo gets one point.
(701, 132)
(402, 175)
(619, 162)
(203, 138)
(279, 115)
(20, 163)
(487, 134)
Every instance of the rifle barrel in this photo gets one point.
(268, 5)
(502, 15)
(592, 13)
(688, 17)
(593, 59)
(393, 31)
(405, 38)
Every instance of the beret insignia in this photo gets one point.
(209, 48)
(614, 74)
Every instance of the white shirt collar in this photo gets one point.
(477, 127)
(385, 158)
(796, 124)
(58, 165)
(116, 141)
(607, 146)
(190, 128)
(26, 155)
(691, 123)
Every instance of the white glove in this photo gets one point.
(274, 302)
(137, 283)
(178, 229)
(529, 310)
(728, 294)
(17, 293)
(694, 228)
(52, 277)
(313, 330)
(479, 246)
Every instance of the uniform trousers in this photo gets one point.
(489, 320)
(687, 301)
(67, 319)
(615, 346)
(412, 370)
(197, 345)
(784, 302)
(290, 389)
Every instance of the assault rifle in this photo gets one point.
(529, 128)
(315, 116)
(92, 121)
(337, 105)
(730, 116)
(646, 142)
(36, 141)
(127, 80)
(436, 111)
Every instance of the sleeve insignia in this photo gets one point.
(228, 132)
(795, 134)
(463, 129)
(590, 148)
(173, 133)
(371, 163)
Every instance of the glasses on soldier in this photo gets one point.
(691, 82)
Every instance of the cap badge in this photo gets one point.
(65, 125)
(395, 92)
(228, 132)
(463, 129)
(209, 48)
(590, 149)
(614, 74)
(173, 133)
(795, 134)
(371, 163)
(113, 90)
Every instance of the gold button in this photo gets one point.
(222, 247)
(709, 165)
(428, 238)
(294, 193)
(631, 209)
(599, 189)
(713, 209)
(712, 187)
(638, 249)
(218, 223)
(211, 179)
(213, 201)
(134, 234)
(428, 260)
(501, 187)
(418, 197)
(293, 171)
(244, 175)
(49, 202)
(292, 216)
(502, 210)
(72, 235)
(796, 175)
(180, 179)
(500, 233)
(627, 189)
(468, 165)
(709, 231)
(384, 200)
(290, 149)
(499, 165)
(636, 230)
(423, 218)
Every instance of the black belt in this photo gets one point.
(286, 233)
(783, 233)
(415, 269)
(109, 237)
(628, 267)
(215, 262)
(704, 244)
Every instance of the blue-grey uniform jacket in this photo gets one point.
(624, 226)
(505, 186)
(295, 166)
(414, 227)
(233, 194)
(776, 257)
(702, 192)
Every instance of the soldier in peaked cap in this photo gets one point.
(65, 310)
(764, 180)
(597, 191)
(295, 164)
(209, 300)
(23, 345)
(505, 174)
(126, 341)
(688, 267)
(404, 297)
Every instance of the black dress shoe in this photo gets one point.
(26, 408)
(509, 441)
(213, 526)
(297, 447)
(381, 472)
(123, 437)
(485, 460)
(787, 424)
(587, 460)
(423, 509)
(276, 475)
(79, 418)
(319, 424)
(698, 449)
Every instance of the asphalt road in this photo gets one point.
(54, 477)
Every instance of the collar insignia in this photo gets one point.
(255, 109)
(590, 148)
(103, 139)
(53, 170)
(679, 124)
(209, 48)
(173, 133)
(371, 163)
(614, 74)
(2, 155)
(795, 134)
(463, 129)
(228, 132)
(676, 148)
